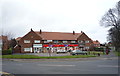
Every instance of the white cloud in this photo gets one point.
(56, 15)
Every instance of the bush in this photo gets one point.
(7, 52)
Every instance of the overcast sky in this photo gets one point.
(19, 16)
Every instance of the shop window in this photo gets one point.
(36, 41)
(26, 41)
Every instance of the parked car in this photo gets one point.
(77, 52)
(61, 51)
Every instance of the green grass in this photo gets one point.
(117, 53)
(96, 52)
(41, 57)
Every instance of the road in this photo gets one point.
(103, 65)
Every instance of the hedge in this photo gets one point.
(7, 52)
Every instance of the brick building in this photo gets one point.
(96, 43)
(39, 41)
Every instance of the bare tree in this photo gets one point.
(8, 40)
(112, 19)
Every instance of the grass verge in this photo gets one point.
(96, 52)
(117, 53)
(41, 57)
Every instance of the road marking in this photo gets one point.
(115, 66)
(5, 73)
(56, 65)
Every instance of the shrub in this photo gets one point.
(6, 52)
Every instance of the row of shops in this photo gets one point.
(55, 47)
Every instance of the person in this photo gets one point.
(107, 50)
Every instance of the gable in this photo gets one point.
(30, 36)
(83, 36)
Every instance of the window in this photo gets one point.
(55, 41)
(73, 41)
(64, 41)
(47, 41)
(36, 41)
(87, 41)
(80, 41)
(27, 49)
(87, 47)
(26, 41)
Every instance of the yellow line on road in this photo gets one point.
(4, 72)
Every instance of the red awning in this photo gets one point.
(57, 45)
(73, 45)
(45, 45)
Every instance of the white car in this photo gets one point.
(61, 51)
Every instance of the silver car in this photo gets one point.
(77, 52)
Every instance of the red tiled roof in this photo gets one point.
(18, 38)
(96, 42)
(58, 35)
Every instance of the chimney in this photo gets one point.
(73, 32)
(40, 31)
(96, 40)
(31, 29)
(81, 31)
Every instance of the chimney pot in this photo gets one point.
(73, 32)
(40, 31)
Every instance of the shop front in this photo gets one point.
(37, 48)
(55, 47)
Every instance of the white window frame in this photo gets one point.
(26, 41)
(55, 41)
(80, 41)
(87, 47)
(87, 41)
(45, 41)
(27, 49)
(73, 41)
(36, 41)
(64, 41)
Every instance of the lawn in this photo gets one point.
(117, 53)
(41, 57)
(96, 52)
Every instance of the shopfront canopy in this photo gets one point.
(59, 45)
